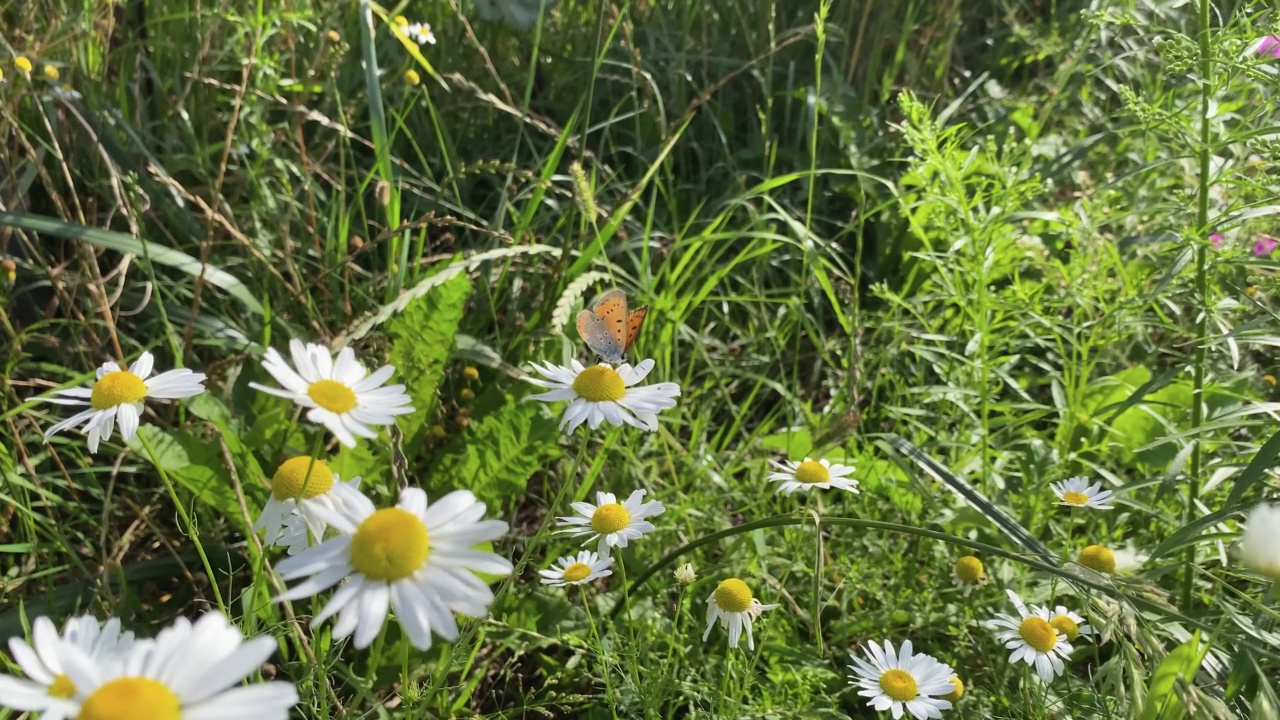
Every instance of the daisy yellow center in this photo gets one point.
(599, 383)
(610, 518)
(733, 596)
(131, 698)
(62, 687)
(1066, 626)
(117, 388)
(577, 572)
(1075, 498)
(22, 63)
(969, 569)
(1098, 557)
(332, 396)
(390, 544)
(1038, 633)
(812, 471)
(957, 690)
(899, 685)
(292, 481)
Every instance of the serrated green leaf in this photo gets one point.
(423, 337)
(499, 452)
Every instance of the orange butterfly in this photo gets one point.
(608, 329)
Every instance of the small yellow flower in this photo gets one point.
(333, 36)
(466, 395)
(470, 373)
(411, 77)
(1, 75)
(955, 695)
(51, 73)
(401, 20)
(1251, 291)
(23, 65)
(1270, 380)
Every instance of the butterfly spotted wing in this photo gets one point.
(604, 327)
(635, 319)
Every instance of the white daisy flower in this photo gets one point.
(969, 573)
(117, 394)
(1077, 492)
(1033, 639)
(288, 517)
(42, 666)
(420, 33)
(189, 672)
(415, 558)
(1070, 624)
(905, 682)
(614, 523)
(810, 474)
(599, 393)
(341, 394)
(583, 569)
(1260, 544)
(732, 605)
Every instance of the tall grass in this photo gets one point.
(962, 246)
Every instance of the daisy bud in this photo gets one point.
(470, 373)
(411, 78)
(1260, 545)
(22, 64)
(466, 395)
(685, 574)
(51, 73)
(957, 693)
(333, 36)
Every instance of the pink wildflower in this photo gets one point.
(1265, 245)
(1270, 46)
(1216, 240)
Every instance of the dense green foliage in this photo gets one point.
(962, 246)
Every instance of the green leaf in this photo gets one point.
(423, 338)
(1256, 471)
(974, 498)
(128, 244)
(1162, 698)
(499, 452)
(193, 463)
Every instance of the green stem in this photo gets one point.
(604, 658)
(374, 660)
(1099, 586)
(1202, 297)
(817, 577)
(186, 521)
(631, 627)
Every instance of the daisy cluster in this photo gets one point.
(423, 561)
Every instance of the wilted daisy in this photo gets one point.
(906, 681)
(42, 666)
(118, 394)
(418, 559)
(583, 569)
(599, 393)
(1077, 492)
(295, 492)
(189, 672)
(732, 605)
(1070, 624)
(810, 474)
(1033, 639)
(1260, 545)
(341, 394)
(420, 33)
(614, 523)
(969, 573)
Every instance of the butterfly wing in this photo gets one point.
(634, 320)
(595, 333)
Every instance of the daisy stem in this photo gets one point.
(815, 510)
(631, 627)
(186, 520)
(374, 660)
(604, 658)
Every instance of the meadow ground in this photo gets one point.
(960, 252)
